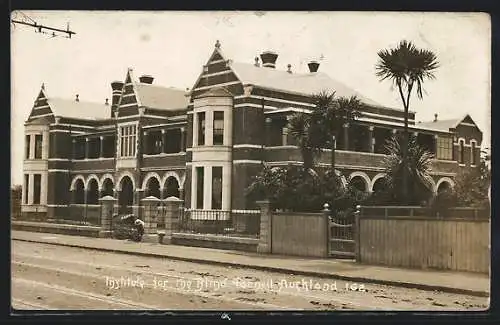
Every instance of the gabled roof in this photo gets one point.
(79, 110)
(445, 125)
(70, 108)
(303, 83)
(163, 98)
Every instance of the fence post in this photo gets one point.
(357, 237)
(266, 227)
(107, 206)
(172, 210)
(150, 205)
(327, 214)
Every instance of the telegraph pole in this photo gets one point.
(43, 29)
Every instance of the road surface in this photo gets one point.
(64, 278)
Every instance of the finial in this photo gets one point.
(289, 66)
(106, 102)
(43, 86)
(257, 61)
(217, 44)
(77, 99)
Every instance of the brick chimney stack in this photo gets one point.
(313, 66)
(146, 79)
(269, 59)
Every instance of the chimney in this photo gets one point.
(289, 66)
(257, 64)
(77, 99)
(435, 117)
(116, 86)
(146, 79)
(269, 59)
(313, 66)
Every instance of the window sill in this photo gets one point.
(473, 165)
(461, 165)
(92, 159)
(163, 154)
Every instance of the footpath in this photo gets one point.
(451, 282)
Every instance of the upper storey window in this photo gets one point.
(128, 140)
(444, 148)
(201, 129)
(461, 154)
(218, 134)
(473, 153)
(38, 146)
(27, 146)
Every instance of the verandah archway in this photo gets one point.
(79, 192)
(126, 197)
(107, 187)
(171, 187)
(93, 192)
(153, 188)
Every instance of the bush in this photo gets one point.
(442, 203)
(293, 188)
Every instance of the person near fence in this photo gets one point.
(139, 225)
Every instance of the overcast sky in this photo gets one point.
(173, 46)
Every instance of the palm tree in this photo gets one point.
(417, 168)
(407, 67)
(300, 126)
(318, 129)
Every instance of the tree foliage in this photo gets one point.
(314, 131)
(406, 66)
(293, 188)
(417, 171)
(472, 185)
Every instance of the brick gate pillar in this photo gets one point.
(172, 211)
(107, 209)
(150, 213)
(265, 238)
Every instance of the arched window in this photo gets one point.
(461, 151)
(473, 159)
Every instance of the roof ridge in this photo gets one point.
(161, 86)
(72, 100)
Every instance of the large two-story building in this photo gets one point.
(203, 145)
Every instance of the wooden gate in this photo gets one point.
(342, 242)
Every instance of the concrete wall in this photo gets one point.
(458, 244)
(300, 234)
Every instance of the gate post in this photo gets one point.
(326, 216)
(172, 211)
(150, 206)
(107, 207)
(266, 221)
(357, 237)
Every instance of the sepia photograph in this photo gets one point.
(250, 161)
